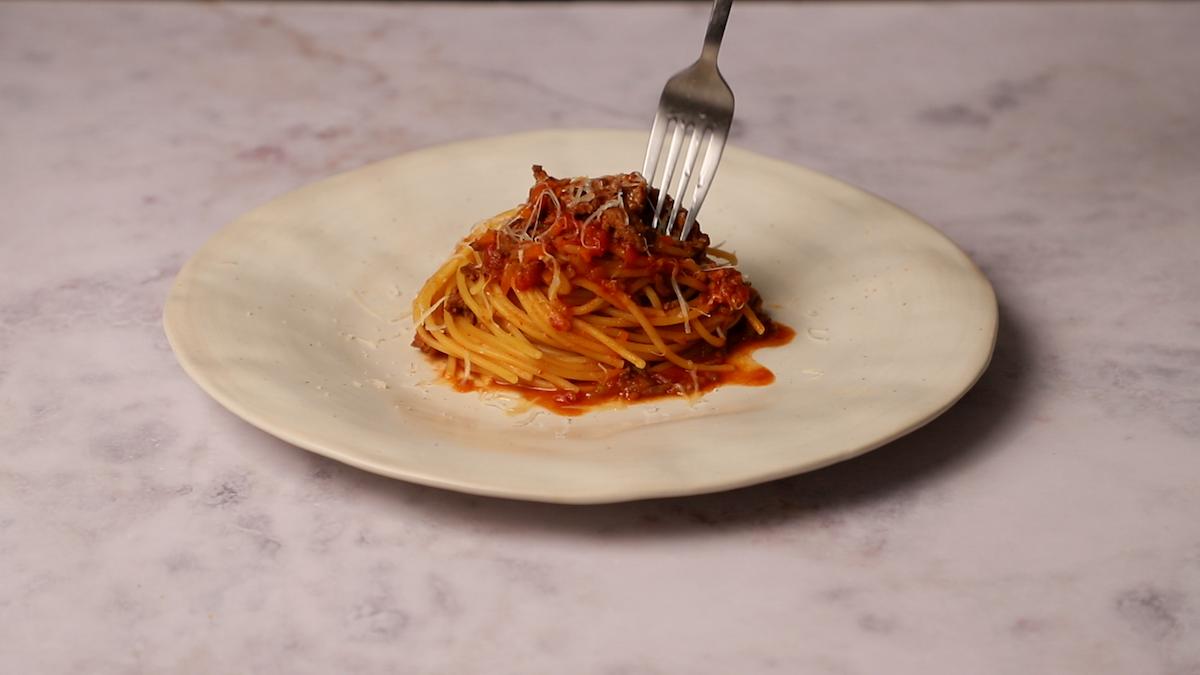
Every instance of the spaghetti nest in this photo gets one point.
(574, 293)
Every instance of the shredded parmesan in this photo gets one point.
(581, 192)
(507, 228)
(601, 209)
(431, 310)
(615, 201)
(557, 205)
(683, 306)
(535, 214)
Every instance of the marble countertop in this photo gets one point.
(1048, 523)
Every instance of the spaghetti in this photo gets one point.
(573, 299)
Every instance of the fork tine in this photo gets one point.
(689, 163)
(668, 171)
(712, 156)
(654, 147)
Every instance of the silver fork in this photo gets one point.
(696, 103)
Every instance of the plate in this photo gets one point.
(295, 318)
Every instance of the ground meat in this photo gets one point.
(628, 205)
(632, 384)
(697, 242)
(455, 304)
(419, 343)
(635, 197)
(727, 287)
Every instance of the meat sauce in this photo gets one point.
(633, 386)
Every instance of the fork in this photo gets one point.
(697, 103)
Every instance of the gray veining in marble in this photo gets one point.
(1048, 523)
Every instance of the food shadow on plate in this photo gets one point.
(884, 479)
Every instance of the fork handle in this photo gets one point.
(716, 29)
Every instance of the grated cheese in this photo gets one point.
(683, 306)
(426, 314)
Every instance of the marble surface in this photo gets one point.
(1048, 523)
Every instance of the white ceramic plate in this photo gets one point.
(289, 317)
